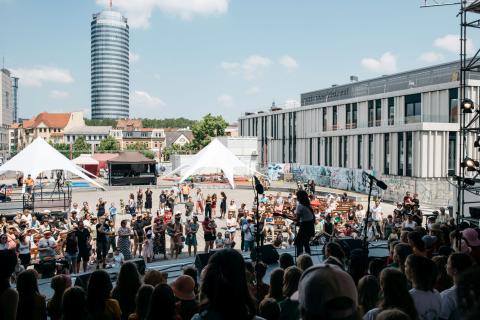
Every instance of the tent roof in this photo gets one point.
(214, 156)
(104, 156)
(38, 157)
(85, 159)
(131, 157)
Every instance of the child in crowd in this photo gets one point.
(219, 242)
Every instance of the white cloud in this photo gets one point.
(288, 62)
(139, 12)
(58, 94)
(387, 63)
(251, 68)
(451, 42)
(225, 100)
(133, 57)
(142, 99)
(252, 90)
(36, 76)
(431, 57)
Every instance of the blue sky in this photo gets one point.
(190, 57)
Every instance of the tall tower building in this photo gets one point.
(15, 98)
(109, 65)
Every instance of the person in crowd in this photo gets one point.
(470, 235)
(289, 307)
(400, 253)
(113, 211)
(193, 273)
(395, 295)
(457, 263)
(131, 205)
(214, 205)
(24, 250)
(422, 273)
(74, 304)
(368, 293)
(223, 205)
(276, 285)
(31, 304)
(409, 223)
(59, 284)
(175, 230)
(304, 261)
(103, 232)
(468, 293)
(191, 229)
(261, 289)
(184, 290)
(219, 241)
(155, 277)
(84, 247)
(286, 260)
(375, 266)
(71, 250)
(159, 243)
(208, 207)
(128, 283)
(100, 305)
(328, 228)
(358, 265)
(392, 314)
(208, 227)
(333, 249)
(224, 273)
(269, 309)
(142, 302)
(305, 216)
(148, 200)
(248, 230)
(8, 295)
(162, 303)
(29, 184)
(138, 226)
(139, 200)
(100, 207)
(417, 244)
(123, 240)
(199, 202)
(444, 280)
(326, 292)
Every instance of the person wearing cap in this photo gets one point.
(326, 292)
(470, 235)
(47, 246)
(184, 289)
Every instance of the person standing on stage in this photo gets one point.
(306, 219)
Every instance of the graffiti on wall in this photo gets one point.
(433, 191)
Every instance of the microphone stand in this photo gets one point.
(367, 216)
(257, 238)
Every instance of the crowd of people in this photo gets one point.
(432, 271)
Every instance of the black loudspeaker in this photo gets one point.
(349, 244)
(268, 254)
(201, 260)
(140, 263)
(474, 212)
(82, 280)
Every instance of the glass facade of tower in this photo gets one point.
(109, 65)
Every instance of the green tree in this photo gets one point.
(176, 149)
(207, 128)
(80, 146)
(63, 148)
(108, 144)
(168, 123)
(149, 154)
(101, 122)
(137, 146)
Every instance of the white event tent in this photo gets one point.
(39, 156)
(214, 156)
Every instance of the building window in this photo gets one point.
(413, 108)
(318, 151)
(354, 115)
(330, 151)
(453, 105)
(386, 155)
(409, 149)
(391, 111)
(370, 113)
(325, 154)
(340, 150)
(359, 152)
(401, 154)
(348, 116)
(370, 151)
(378, 112)
(345, 151)
(324, 119)
(334, 118)
(452, 153)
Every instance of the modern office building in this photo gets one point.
(403, 127)
(15, 98)
(109, 65)
(6, 112)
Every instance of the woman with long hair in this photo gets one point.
(368, 293)
(276, 285)
(100, 305)
(395, 295)
(289, 308)
(225, 273)
(31, 304)
(142, 302)
(74, 304)
(59, 284)
(125, 291)
(223, 204)
(162, 303)
(306, 219)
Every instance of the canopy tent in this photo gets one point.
(39, 156)
(85, 160)
(132, 167)
(214, 156)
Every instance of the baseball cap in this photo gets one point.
(328, 291)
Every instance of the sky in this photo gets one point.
(192, 57)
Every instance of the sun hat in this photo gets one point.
(183, 287)
(471, 236)
(328, 291)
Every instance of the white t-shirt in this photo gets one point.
(411, 225)
(231, 222)
(427, 303)
(449, 304)
(377, 213)
(119, 259)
